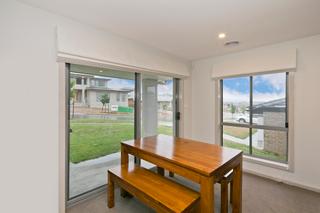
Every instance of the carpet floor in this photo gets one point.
(260, 195)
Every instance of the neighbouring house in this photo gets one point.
(273, 113)
(165, 102)
(90, 88)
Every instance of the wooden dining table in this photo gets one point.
(197, 161)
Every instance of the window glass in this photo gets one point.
(97, 125)
(236, 137)
(157, 105)
(236, 97)
(270, 144)
(269, 99)
(255, 115)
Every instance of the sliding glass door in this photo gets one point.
(103, 111)
(101, 116)
(157, 98)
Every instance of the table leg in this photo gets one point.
(224, 196)
(124, 156)
(237, 189)
(207, 194)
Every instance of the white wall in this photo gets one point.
(30, 125)
(306, 112)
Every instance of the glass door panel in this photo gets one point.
(101, 116)
(157, 116)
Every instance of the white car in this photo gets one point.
(244, 118)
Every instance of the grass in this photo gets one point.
(165, 130)
(237, 132)
(93, 138)
(255, 152)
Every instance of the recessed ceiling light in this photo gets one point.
(222, 35)
(231, 43)
(100, 71)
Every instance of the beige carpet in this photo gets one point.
(259, 196)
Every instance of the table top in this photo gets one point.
(195, 155)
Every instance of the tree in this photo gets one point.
(232, 109)
(105, 99)
(72, 94)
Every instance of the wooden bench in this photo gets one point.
(158, 192)
(224, 181)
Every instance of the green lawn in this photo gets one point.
(237, 132)
(165, 130)
(92, 138)
(255, 152)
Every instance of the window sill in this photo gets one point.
(272, 164)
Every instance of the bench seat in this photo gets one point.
(158, 192)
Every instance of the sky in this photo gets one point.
(265, 88)
(163, 89)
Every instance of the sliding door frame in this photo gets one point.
(176, 107)
(65, 84)
(137, 111)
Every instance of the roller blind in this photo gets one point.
(89, 46)
(267, 59)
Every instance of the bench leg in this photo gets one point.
(171, 174)
(110, 191)
(160, 171)
(224, 196)
(231, 191)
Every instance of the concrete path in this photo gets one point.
(91, 174)
(257, 139)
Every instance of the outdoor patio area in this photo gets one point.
(91, 174)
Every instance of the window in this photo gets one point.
(98, 82)
(79, 81)
(123, 98)
(254, 115)
(118, 96)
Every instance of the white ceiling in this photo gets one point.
(189, 28)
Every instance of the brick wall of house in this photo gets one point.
(275, 141)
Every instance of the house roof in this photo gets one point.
(278, 105)
(75, 75)
(165, 98)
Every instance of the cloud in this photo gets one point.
(277, 81)
(234, 96)
(117, 83)
(165, 89)
(266, 88)
(265, 97)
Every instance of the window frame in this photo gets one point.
(288, 165)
